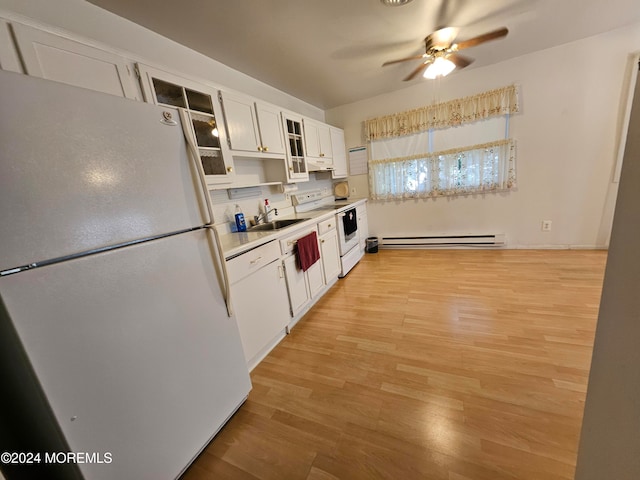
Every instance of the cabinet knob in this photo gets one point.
(265, 149)
(259, 148)
(229, 169)
(322, 154)
(291, 169)
(321, 241)
(329, 226)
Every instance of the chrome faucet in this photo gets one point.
(264, 217)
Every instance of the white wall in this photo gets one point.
(610, 438)
(567, 136)
(81, 18)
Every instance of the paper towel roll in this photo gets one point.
(289, 187)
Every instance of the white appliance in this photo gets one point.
(115, 339)
(350, 252)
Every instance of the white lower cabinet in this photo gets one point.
(302, 286)
(259, 299)
(329, 249)
(315, 278)
(296, 285)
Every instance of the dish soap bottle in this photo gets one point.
(240, 223)
(267, 209)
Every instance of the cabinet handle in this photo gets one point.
(280, 271)
(229, 169)
(256, 260)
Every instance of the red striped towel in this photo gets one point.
(308, 252)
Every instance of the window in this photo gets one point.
(453, 148)
(480, 168)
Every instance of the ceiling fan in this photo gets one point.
(441, 57)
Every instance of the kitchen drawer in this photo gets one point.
(327, 226)
(251, 261)
(288, 243)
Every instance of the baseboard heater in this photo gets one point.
(492, 240)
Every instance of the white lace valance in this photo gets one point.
(501, 101)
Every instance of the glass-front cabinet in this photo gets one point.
(296, 160)
(202, 106)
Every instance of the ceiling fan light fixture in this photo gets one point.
(395, 3)
(441, 67)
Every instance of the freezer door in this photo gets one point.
(134, 351)
(80, 170)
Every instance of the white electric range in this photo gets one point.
(346, 221)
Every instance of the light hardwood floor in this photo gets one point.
(425, 364)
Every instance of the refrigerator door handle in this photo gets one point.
(195, 158)
(223, 267)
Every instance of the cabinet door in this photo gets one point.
(242, 125)
(317, 140)
(57, 58)
(261, 307)
(203, 107)
(296, 285)
(324, 140)
(329, 250)
(315, 278)
(311, 140)
(339, 153)
(270, 126)
(296, 161)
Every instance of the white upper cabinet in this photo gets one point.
(311, 141)
(339, 150)
(271, 132)
(203, 109)
(317, 140)
(296, 167)
(50, 56)
(252, 127)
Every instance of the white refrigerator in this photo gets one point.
(115, 342)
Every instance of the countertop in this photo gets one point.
(236, 243)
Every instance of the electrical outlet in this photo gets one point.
(546, 225)
(287, 196)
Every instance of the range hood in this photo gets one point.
(318, 165)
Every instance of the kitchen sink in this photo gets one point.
(276, 224)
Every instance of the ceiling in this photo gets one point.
(330, 52)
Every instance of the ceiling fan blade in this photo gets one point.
(472, 42)
(460, 61)
(441, 38)
(416, 72)
(391, 62)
